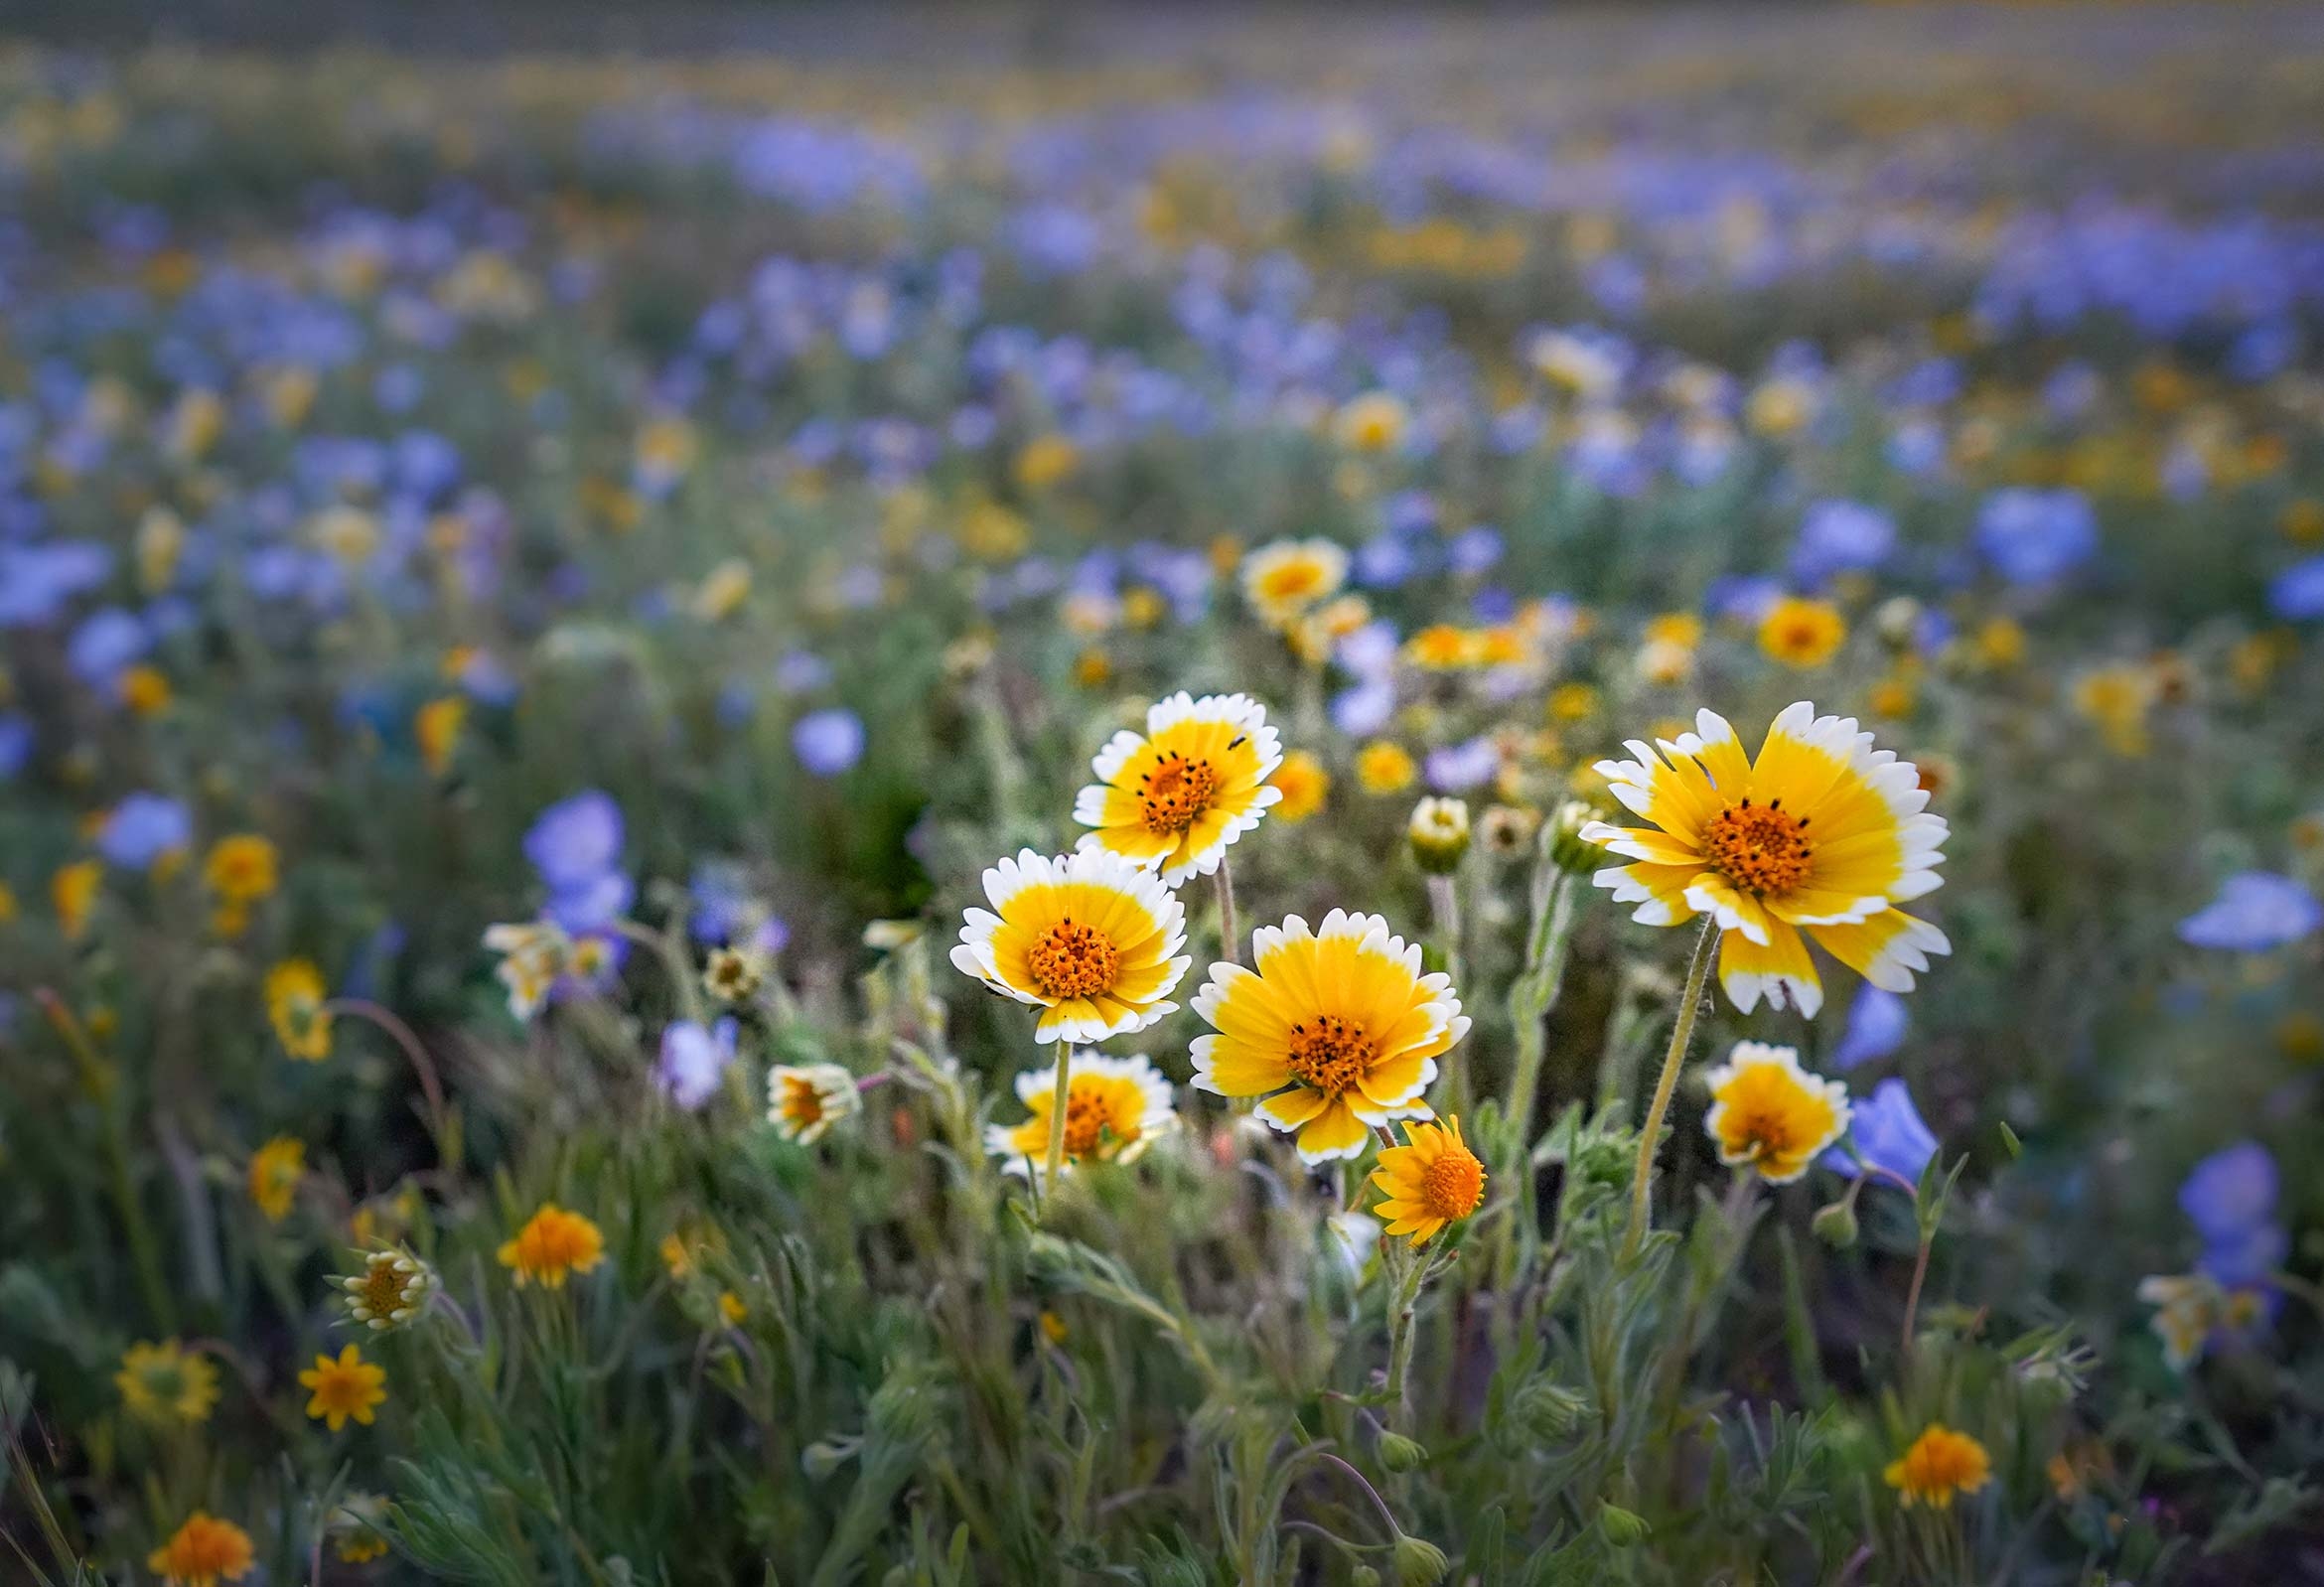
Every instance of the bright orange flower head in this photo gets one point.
(1431, 1180)
(1940, 1464)
(552, 1244)
(202, 1552)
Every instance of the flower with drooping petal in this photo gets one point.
(1174, 798)
(1820, 834)
(1338, 1029)
(1769, 1114)
(1431, 1180)
(1116, 1108)
(1088, 938)
(534, 955)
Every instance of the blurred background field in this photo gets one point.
(694, 488)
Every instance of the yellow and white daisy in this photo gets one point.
(534, 953)
(1088, 938)
(1342, 1017)
(804, 1100)
(2188, 1308)
(1283, 581)
(1197, 780)
(1822, 833)
(1116, 1108)
(1430, 1181)
(1769, 1114)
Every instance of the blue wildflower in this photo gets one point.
(2297, 593)
(1838, 536)
(576, 841)
(2033, 537)
(2231, 1190)
(1877, 1025)
(693, 1061)
(2255, 911)
(142, 828)
(830, 742)
(1887, 1133)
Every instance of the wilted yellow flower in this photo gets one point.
(274, 1174)
(202, 1552)
(1174, 799)
(1940, 1464)
(345, 1388)
(1385, 767)
(1086, 937)
(164, 1385)
(552, 1244)
(1115, 1107)
(1430, 1181)
(1771, 1115)
(1340, 1016)
(1801, 631)
(1303, 782)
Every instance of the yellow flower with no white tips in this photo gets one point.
(274, 1174)
(72, 890)
(1940, 1464)
(294, 1005)
(1176, 796)
(1770, 1114)
(1116, 1108)
(1803, 632)
(1385, 767)
(1337, 1028)
(163, 1385)
(242, 868)
(1304, 783)
(553, 1244)
(345, 1388)
(1431, 1180)
(1820, 834)
(1088, 938)
(202, 1552)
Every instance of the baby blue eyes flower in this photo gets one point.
(2034, 538)
(1888, 1133)
(829, 742)
(1878, 1023)
(106, 642)
(1463, 767)
(2255, 911)
(16, 743)
(1842, 538)
(693, 1061)
(2297, 595)
(142, 828)
(576, 841)
(2230, 1190)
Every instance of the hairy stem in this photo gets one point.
(1707, 947)
(1230, 938)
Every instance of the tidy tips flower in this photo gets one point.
(1283, 580)
(1822, 834)
(1770, 1114)
(1940, 1464)
(1115, 1107)
(202, 1552)
(803, 1101)
(345, 1388)
(1177, 797)
(1336, 1027)
(1429, 1182)
(1088, 938)
(552, 1244)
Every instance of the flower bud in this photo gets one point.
(1401, 1454)
(1364, 1576)
(1507, 830)
(1418, 1565)
(1624, 1529)
(1549, 1410)
(1835, 1225)
(1439, 833)
(1569, 852)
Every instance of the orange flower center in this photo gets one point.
(1087, 1119)
(1453, 1185)
(1329, 1053)
(1758, 848)
(1176, 793)
(803, 1105)
(1072, 961)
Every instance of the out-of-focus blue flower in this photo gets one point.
(16, 743)
(1474, 550)
(1877, 1024)
(693, 1061)
(2033, 537)
(142, 828)
(830, 742)
(576, 841)
(801, 672)
(1842, 538)
(1745, 597)
(2256, 911)
(37, 580)
(107, 641)
(1364, 710)
(2297, 593)
(591, 904)
(1462, 768)
(2248, 1257)
(2231, 1190)
(1888, 1133)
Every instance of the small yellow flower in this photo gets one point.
(276, 1171)
(242, 868)
(1283, 581)
(1444, 648)
(145, 690)
(731, 1308)
(1430, 1181)
(7, 904)
(552, 1244)
(347, 1386)
(1682, 629)
(1174, 799)
(803, 1101)
(2117, 701)
(202, 1552)
(1385, 767)
(1999, 642)
(294, 1004)
(1337, 1028)
(74, 892)
(1573, 702)
(1802, 633)
(1087, 939)
(162, 1385)
(357, 1524)
(1115, 1107)
(1771, 1115)
(1046, 460)
(1940, 1464)
(436, 726)
(1304, 784)
(1372, 422)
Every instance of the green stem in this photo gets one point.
(1411, 1268)
(97, 1084)
(1230, 936)
(1706, 948)
(1529, 1001)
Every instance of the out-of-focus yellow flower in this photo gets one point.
(1116, 1108)
(1801, 631)
(1940, 1464)
(274, 1174)
(1046, 460)
(1894, 698)
(731, 1309)
(289, 395)
(347, 1386)
(1287, 579)
(1675, 627)
(436, 726)
(164, 1385)
(202, 1552)
(2303, 522)
(1303, 782)
(1431, 1180)
(1093, 668)
(1372, 423)
(1780, 407)
(552, 1246)
(1769, 1114)
(1443, 647)
(994, 533)
(295, 992)
(348, 534)
(8, 907)
(1142, 607)
(1999, 642)
(1573, 702)
(194, 423)
(242, 868)
(72, 890)
(666, 450)
(358, 1525)
(2117, 701)
(145, 690)
(1385, 767)
(161, 540)
(722, 593)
